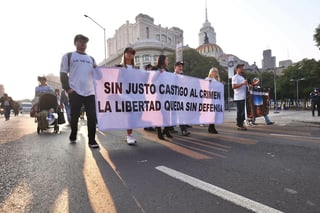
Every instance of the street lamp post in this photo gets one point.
(104, 38)
(275, 86)
(275, 89)
(297, 80)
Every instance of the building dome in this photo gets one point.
(210, 50)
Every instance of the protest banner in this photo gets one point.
(133, 98)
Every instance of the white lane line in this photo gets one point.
(222, 193)
(294, 136)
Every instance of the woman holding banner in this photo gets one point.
(162, 65)
(213, 75)
(128, 62)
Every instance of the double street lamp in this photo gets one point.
(297, 80)
(104, 38)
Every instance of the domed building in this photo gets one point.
(209, 47)
(207, 41)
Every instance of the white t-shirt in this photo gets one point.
(80, 73)
(239, 93)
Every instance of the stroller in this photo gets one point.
(47, 115)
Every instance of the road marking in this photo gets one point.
(295, 136)
(222, 193)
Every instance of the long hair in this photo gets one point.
(161, 62)
(211, 71)
(123, 62)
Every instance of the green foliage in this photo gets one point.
(316, 36)
(197, 65)
(308, 69)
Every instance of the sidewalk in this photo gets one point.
(281, 117)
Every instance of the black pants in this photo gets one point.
(313, 106)
(76, 102)
(240, 112)
(165, 131)
(183, 127)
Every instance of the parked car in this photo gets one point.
(25, 107)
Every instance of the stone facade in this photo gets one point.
(149, 41)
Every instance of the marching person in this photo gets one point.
(6, 103)
(239, 86)
(128, 63)
(213, 75)
(64, 101)
(76, 75)
(178, 69)
(42, 88)
(162, 65)
(256, 84)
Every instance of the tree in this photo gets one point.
(309, 69)
(316, 36)
(197, 65)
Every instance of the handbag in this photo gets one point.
(61, 119)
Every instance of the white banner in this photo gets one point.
(132, 98)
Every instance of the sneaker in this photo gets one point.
(270, 123)
(130, 140)
(185, 133)
(93, 144)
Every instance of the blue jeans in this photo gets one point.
(6, 110)
(266, 119)
(68, 112)
(240, 112)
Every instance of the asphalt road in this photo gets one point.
(265, 169)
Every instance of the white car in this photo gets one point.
(25, 107)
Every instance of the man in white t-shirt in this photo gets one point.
(76, 75)
(239, 86)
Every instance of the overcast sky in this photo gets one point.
(36, 33)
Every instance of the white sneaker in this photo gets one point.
(131, 140)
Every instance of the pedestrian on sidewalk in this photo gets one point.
(239, 86)
(315, 100)
(76, 75)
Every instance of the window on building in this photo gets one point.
(147, 30)
(164, 38)
(158, 37)
(146, 58)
